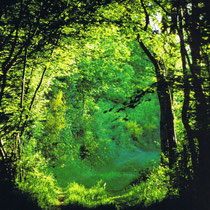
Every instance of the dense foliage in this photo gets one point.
(105, 102)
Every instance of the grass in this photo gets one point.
(79, 182)
(111, 182)
(117, 173)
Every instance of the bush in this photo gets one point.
(155, 189)
(34, 179)
(88, 197)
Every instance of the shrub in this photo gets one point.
(155, 189)
(34, 179)
(89, 197)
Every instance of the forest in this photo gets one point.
(105, 104)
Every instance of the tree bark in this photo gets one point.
(167, 129)
(201, 122)
(2, 151)
(187, 90)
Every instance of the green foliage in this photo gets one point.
(34, 179)
(141, 128)
(135, 130)
(88, 197)
(55, 120)
(87, 80)
(80, 130)
(71, 72)
(117, 173)
(147, 117)
(155, 189)
(104, 80)
(51, 145)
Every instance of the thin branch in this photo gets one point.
(37, 88)
(33, 99)
(149, 55)
(23, 79)
(34, 96)
(135, 100)
(146, 15)
(158, 3)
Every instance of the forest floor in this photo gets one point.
(116, 174)
(16, 200)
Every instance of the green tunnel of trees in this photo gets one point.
(105, 103)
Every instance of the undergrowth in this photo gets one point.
(34, 179)
(88, 197)
(154, 189)
(78, 183)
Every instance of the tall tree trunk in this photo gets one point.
(202, 107)
(167, 129)
(187, 90)
(203, 137)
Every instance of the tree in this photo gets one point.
(30, 31)
(130, 18)
(188, 23)
(26, 28)
(192, 23)
(169, 32)
(167, 128)
(189, 20)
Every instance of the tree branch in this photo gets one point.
(135, 100)
(146, 15)
(23, 79)
(149, 55)
(158, 3)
